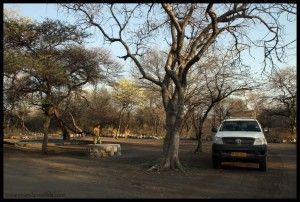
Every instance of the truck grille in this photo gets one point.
(235, 140)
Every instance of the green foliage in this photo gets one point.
(43, 60)
(128, 94)
(46, 103)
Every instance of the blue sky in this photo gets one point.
(41, 11)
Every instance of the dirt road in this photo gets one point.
(67, 173)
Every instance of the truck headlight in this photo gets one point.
(217, 140)
(260, 141)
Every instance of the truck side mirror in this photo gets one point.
(214, 130)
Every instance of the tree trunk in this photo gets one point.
(198, 134)
(199, 139)
(128, 121)
(293, 123)
(46, 125)
(64, 130)
(8, 124)
(63, 127)
(156, 124)
(199, 127)
(23, 124)
(120, 122)
(293, 129)
(174, 113)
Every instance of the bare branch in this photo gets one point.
(168, 9)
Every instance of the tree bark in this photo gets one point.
(174, 112)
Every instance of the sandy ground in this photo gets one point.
(66, 172)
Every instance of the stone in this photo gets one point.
(111, 153)
(103, 150)
(108, 148)
(103, 153)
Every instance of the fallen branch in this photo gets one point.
(156, 168)
(75, 125)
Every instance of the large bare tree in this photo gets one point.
(188, 31)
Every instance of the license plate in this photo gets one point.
(238, 154)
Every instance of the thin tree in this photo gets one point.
(284, 95)
(127, 95)
(219, 78)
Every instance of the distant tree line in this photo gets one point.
(144, 116)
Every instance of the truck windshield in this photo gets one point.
(240, 126)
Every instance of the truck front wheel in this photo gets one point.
(216, 162)
(263, 164)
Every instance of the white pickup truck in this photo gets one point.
(239, 139)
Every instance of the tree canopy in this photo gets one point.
(45, 63)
